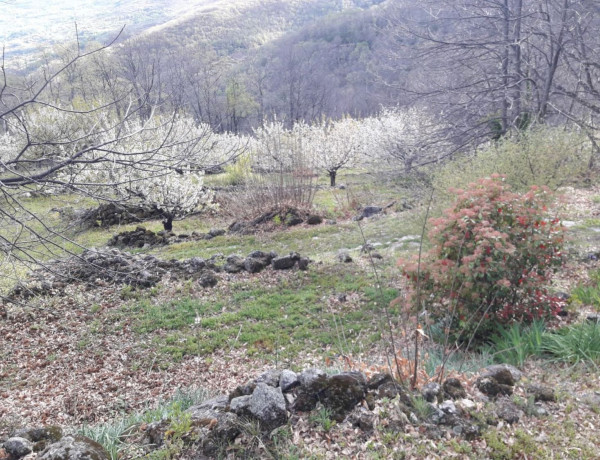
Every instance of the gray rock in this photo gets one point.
(454, 389)
(503, 373)
(241, 406)
(234, 264)
(508, 411)
(217, 403)
(490, 387)
(207, 279)
(288, 380)
(369, 211)
(270, 377)
(18, 447)
(542, 393)
(343, 392)
(431, 391)
(344, 256)
(285, 262)
(74, 448)
(267, 405)
(255, 265)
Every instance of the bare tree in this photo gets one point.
(54, 145)
(490, 66)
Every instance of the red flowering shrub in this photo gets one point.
(492, 256)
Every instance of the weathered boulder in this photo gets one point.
(343, 392)
(490, 387)
(74, 448)
(453, 388)
(432, 392)
(508, 411)
(18, 447)
(344, 256)
(503, 373)
(542, 393)
(207, 279)
(285, 262)
(270, 377)
(288, 380)
(234, 264)
(314, 219)
(41, 437)
(267, 405)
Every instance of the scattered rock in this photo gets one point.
(18, 447)
(288, 380)
(285, 262)
(490, 387)
(369, 211)
(508, 411)
(314, 219)
(432, 392)
(267, 405)
(542, 393)
(454, 389)
(343, 392)
(74, 448)
(344, 256)
(503, 373)
(207, 279)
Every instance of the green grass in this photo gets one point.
(574, 344)
(514, 344)
(284, 319)
(114, 435)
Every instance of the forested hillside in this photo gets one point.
(292, 229)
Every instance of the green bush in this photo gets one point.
(575, 343)
(542, 155)
(238, 172)
(490, 262)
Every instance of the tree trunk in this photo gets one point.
(332, 175)
(168, 222)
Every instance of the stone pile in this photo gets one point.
(142, 238)
(120, 267)
(279, 397)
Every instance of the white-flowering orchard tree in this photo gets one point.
(336, 145)
(408, 136)
(113, 149)
(279, 149)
